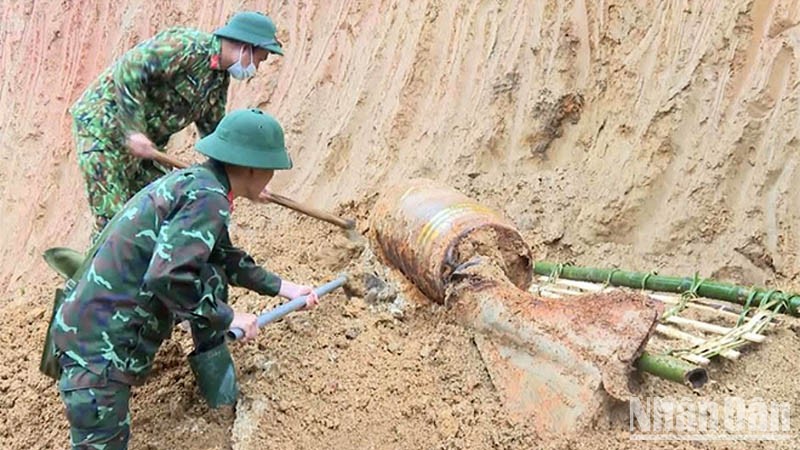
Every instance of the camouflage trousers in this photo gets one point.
(111, 174)
(96, 407)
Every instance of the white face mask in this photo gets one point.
(242, 73)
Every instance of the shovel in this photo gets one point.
(346, 224)
(234, 334)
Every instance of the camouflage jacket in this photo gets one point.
(156, 265)
(157, 88)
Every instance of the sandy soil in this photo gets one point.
(635, 134)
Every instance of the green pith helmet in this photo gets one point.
(249, 138)
(252, 28)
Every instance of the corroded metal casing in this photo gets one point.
(419, 224)
(554, 363)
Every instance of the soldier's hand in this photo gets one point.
(264, 195)
(292, 291)
(140, 146)
(247, 322)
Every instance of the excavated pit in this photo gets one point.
(376, 92)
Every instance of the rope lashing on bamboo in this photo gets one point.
(685, 296)
(646, 277)
(611, 273)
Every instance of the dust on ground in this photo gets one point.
(632, 134)
(381, 368)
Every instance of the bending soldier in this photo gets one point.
(176, 78)
(164, 258)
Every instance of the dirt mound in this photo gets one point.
(613, 133)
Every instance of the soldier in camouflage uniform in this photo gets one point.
(178, 77)
(167, 256)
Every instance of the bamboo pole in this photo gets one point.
(649, 281)
(673, 369)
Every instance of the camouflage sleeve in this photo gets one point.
(149, 62)
(182, 251)
(242, 270)
(208, 123)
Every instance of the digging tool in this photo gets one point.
(71, 265)
(556, 366)
(168, 160)
(234, 334)
(347, 224)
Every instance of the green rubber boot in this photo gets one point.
(215, 375)
(49, 364)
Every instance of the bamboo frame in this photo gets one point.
(651, 281)
(725, 339)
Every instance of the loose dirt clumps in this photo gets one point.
(642, 135)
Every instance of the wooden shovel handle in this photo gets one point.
(165, 159)
(309, 211)
(168, 160)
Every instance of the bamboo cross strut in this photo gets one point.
(347, 224)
